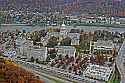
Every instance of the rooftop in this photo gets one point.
(66, 47)
(104, 44)
(98, 72)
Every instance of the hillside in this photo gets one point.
(12, 73)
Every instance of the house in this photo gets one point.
(38, 53)
(44, 40)
(64, 30)
(24, 46)
(98, 72)
(75, 38)
(10, 53)
(66, 50)
(106, 46)
(55, 34)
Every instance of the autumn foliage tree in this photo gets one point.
(114, 52)
(66, 41)
(53, 41)
(100, 59)
(12, 73)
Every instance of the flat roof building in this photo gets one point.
(103, 45)
(66, 50)
(98, 72)
(38, 53)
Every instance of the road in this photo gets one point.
(56, 73)
(46, 80)
(119, 62)
(42, 76)
(38, 70)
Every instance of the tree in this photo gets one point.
(60, 57)
(114, 52)
(48, 59)
(102, 59)
(40, 44)
(92, 60)
(35, 36)
(51, 51)
(32, 59)
(66, 41)
(52, 56)
(1, 54)
(37, 60)
(67, 56)
(106, 58)
(21, 80)
(110, 59)
(53, 41)
(98, 59)
(43, 33)
(24, 31)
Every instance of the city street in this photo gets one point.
(120, 62)
(40, 71)
(42, 75)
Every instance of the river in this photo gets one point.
(85, 28)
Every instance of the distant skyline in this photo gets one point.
(81, 6)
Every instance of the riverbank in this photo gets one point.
(101, 25)
(15, 25)
(74, 25)
(29, 28)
